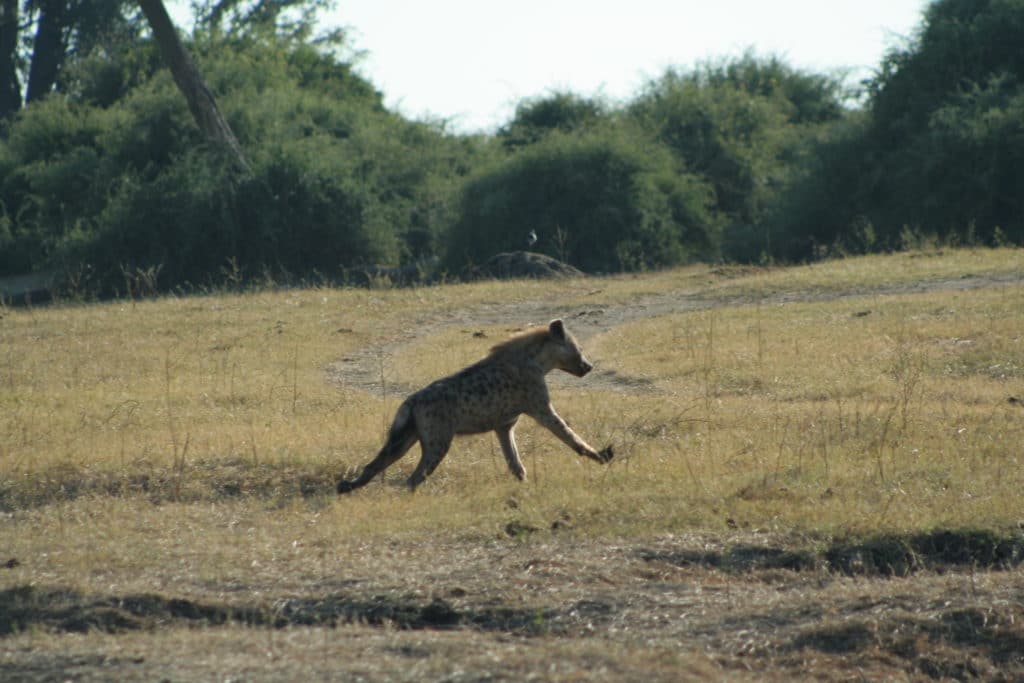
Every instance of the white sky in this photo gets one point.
(470, 61)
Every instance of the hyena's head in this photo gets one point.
(566, 353)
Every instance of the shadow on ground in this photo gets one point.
(67, 611)
(885, 555)
(200, 480)
(959, 644)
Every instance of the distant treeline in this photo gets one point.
(105, 179)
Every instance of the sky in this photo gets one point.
(469, 62)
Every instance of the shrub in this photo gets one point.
(605, 200)
(115, 175)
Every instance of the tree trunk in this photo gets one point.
(10, 86)
(47, 50)
(200, 100)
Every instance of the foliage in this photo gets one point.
(743, 125)
(961, 44)
(114, 174)
(947, 114)
(803, 96)
(39, 37)
(742, 159)
(560, 111)
(606, 200)
(835, 172)
(940, 153)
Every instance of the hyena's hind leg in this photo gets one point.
(434, 449)
(400, 439)
(507, 439)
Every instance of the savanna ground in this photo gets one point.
(818, 476)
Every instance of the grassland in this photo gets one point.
(818, 475)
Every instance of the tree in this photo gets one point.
(605, 200)
(722, 131)
(939, 152)
(10, 84)
(809, 97)
(62, 29)
(561, 111)
(290, 19)
(190, 81)
(48, 48)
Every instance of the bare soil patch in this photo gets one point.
(361, 369)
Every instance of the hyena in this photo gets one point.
(487, 396)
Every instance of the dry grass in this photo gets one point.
(891, 413)
(786, 439)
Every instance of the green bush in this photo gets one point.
(606, 200)
(824, 208)
(940, 152)
(742, 159)
(50, 181)
(559, 112)
(114, 179)
(745, 126)
(298, 213)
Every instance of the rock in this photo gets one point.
(523, 264)
(28, 289)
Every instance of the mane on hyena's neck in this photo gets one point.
(525, 342)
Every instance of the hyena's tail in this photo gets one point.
(401, 438)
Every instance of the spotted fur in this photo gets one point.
(490, 395)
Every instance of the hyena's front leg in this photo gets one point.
(507, 439)
(557, 426)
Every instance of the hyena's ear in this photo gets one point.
(557, 329)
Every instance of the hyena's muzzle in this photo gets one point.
(582, 367)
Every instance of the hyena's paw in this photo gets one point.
(606, 454)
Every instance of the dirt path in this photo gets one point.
(361, 369)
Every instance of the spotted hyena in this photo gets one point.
(487, 396)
